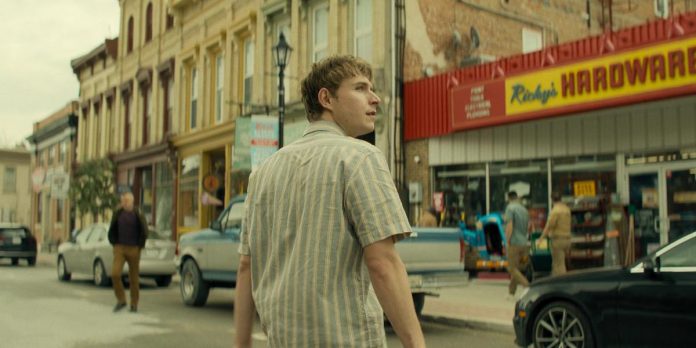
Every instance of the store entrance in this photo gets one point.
(664, 199)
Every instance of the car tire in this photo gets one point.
(562, 322)
(15, 261)
(419, 302)
(31, 261)
(63, 274)
(163, 281)
(194, 290)
(99, 272)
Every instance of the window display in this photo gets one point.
(463, 191)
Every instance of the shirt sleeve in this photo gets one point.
(372, 204)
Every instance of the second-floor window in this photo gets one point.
(168, 106)
(127, 123)
(147, 116)
(248, 73)
(320, 32)
(148, 23)
(363, 29)
(129, 43)
(51, 154)
(9, 183)
(63, 151)
(531, 40)
(169, 22)
(219, 83)
(59, 210)
(193, 106)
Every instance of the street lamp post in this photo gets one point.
(282, 53)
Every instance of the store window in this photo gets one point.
(584, 176)
(529, 179)
(188, 191)
(146, 193)
(163, 199)
(459, 193)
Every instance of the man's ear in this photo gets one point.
(325, 99)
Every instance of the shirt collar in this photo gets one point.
(324, 126)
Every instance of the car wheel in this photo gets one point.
(15, 261)
(163, 281)
(419, 302)
(561, 324)
(194, 290)
(63, 274)
(31, 261)
(99, 272)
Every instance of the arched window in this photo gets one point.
(129, 47)
(148, 23)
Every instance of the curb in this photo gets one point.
(475, 324)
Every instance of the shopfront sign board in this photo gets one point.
(584, 188)
(637, 75)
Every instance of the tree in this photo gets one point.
(92, 189)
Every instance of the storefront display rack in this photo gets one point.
(588, 215)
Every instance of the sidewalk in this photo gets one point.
(480, 305)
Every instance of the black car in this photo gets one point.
(17, 242)
(650, 304)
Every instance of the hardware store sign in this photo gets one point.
(650, 73)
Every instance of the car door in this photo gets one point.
(95, 247)
(659, 309)
(223, 257)
(74, 257)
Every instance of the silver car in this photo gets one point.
(90, 253)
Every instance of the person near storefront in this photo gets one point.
(516, 234)
(557, 229)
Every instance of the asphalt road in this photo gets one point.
(37, 310)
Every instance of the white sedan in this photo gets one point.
(90, 253)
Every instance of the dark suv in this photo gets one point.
(17, 242)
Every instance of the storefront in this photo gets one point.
(611, 117)
(149, 174)
(206, 180)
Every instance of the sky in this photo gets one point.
(39, 39)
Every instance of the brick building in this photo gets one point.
(633, 141)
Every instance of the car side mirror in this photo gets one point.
(216, 225)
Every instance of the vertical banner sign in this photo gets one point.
(264, 139)
(241, 159)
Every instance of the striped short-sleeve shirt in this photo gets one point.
(311, 209)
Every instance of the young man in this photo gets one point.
(323, 214)
(558, 230)
(127, 233)
(516, 234)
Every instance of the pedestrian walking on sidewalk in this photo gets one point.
(517, 235)
(558, 230)
(127, 233)
(323, 214)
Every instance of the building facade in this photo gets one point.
(171, 100)
(15, 197)
(594, 104)
(53, 144)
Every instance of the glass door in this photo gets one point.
(681, 201)
(644, 196)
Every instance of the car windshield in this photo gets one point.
(234, 216)
(13, 232)
(651, 256)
